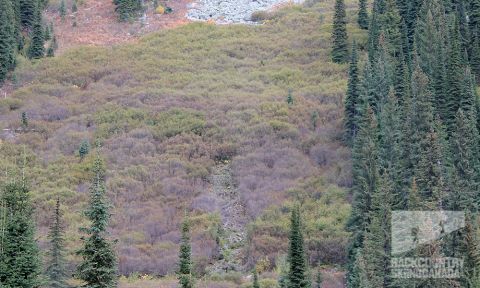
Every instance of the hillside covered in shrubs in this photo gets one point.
(265, 100)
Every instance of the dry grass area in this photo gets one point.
(97, 23)
(170, 105)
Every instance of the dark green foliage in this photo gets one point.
(185, 276)
(455, 76)
(74, 6)
(365, 184)
(7, 38)
(127, 9)
(298, 274)
(56, 271)
(50, 50)
(37, 49)
(24, 119)
(314, 119)
(19, 254)
(362, 14)
(98, 268)
(318, 279)
(27, 10)
(84, 148)
(255, 279)
(290, 97)
(62, 10)
(351, 99)
(339, 34)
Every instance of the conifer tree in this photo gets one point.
(56, 271)
(19, 258)
(185, 276)
(454, 79)
(298, 272)
(37, 49)
(319, 279)
(256, 284)
(84, 148)
(351, 99)
(62, 10)
(339, 34)
(27, 10)
(24, 119)
(7, 38)
(98, 268)
(365, 183)
(362, 14)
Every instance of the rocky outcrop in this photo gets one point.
(230, 11)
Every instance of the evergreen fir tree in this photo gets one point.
(351, 99)
(319, 279)
(465, 159)
(7, 38)
(24, 119)
(127, 9)
(339, 34)
(62, 10)
(56, 271)
(84, 148)
(37, 49)
(185, 266)
(19, 258)
(362, 14)
(454, 79)
(74, 6)
(298, 272)
(290, 97)
(98, 268)
(256, 284)
(27, 10)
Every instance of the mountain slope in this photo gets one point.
(166, 110)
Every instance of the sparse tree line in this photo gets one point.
(23, 31)
(412, 120)
(20, 261)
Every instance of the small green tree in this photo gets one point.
(37, 49)
(84, 148)
(298, 274)
(319, 279)
(314, 119)
(74, 6)
(62, 10)
(339, 34)
(56, 264)
(362, 14)
(185, 266)
(98, 268)
(24, 119)
(256, 284)
(290, 97)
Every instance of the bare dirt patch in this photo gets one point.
(97, 24)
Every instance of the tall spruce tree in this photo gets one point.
(365, 184)
(7, 38)
(19, 257)
(98, 268)
(185, 276)
(26, 12)
(362, 14)
(37, 49)
(339, 34)
(298, 273)
(56, 270)
(351, 99)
